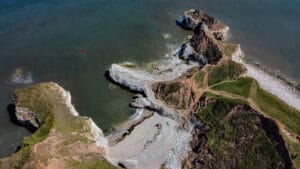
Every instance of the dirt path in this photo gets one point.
(252, 103)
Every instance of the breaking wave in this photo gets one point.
(21, 76)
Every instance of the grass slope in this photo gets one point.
(229, 70)
(275, 108)
(242, 86)
(269, 105)
(236, 138)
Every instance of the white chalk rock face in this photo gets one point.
(125, 76)
(27, 118)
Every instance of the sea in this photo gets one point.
(74, 42)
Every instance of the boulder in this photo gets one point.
(28, 118)
(140, 102)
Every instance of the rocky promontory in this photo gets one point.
(202, 47)
(62, 139)
(192, 18)
(197, 109)
(231, 120)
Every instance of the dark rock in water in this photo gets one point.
(192, 18)
(186, 23)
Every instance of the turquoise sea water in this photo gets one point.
(44, 39)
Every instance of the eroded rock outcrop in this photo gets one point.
(201, 47)
(141, 80)
(192, 18)
(223, 129)
(27, 118)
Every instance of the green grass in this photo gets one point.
(34, 99)
(41, 134)
(267, 102)
(277, 109)
(199, 78)
(271, 106)
(49, 105)
(43, 101)
(226, 71)
(236, 140)
(241, 86)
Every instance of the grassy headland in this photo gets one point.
(58, 139)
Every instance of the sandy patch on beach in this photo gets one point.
(156, 141)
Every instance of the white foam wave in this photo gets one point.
(137, 115)
(20, 76)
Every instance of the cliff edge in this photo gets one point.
(62, 139)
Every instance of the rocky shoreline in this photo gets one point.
(186, 118)
(62, 139)
(201, 49)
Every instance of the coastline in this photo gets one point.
(172, 125)
(138, 80)
(274, 85)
